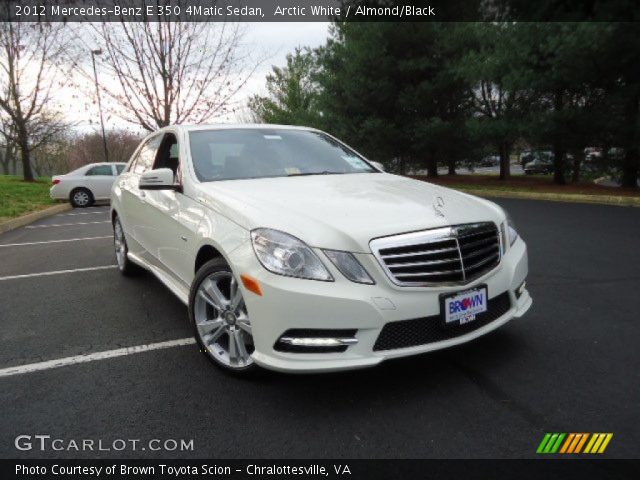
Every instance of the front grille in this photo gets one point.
(456, 254)
(420, 331)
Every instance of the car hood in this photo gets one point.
(344, 212)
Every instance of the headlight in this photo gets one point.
(284, 254)
(512, 233)
(349, 266)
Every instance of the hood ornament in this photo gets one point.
(438, 205)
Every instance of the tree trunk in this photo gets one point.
(14, 162)
(452, 167)
(5, 161)
(631, 162)
(402, 165)
(630, 168)
(25, 154)
(505, 166)
(558, 164)
(578, 158)
(432, 165)
(558, 148)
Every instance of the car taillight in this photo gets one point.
(55, 182)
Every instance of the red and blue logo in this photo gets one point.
(466, 303)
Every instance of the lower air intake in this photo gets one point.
(421, 331)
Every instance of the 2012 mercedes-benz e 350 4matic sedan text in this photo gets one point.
(295, 253)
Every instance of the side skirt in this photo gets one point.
(176, 287)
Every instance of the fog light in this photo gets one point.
(310, 340)
(318, 342)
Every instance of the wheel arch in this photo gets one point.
(206, 253)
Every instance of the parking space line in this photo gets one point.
(52, 241)
(95, 212)
(57, 272)
(65, 224)
(91, 357)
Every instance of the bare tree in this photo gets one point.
(172, 72)
(7, 145)
(87, 148)
(30, 70)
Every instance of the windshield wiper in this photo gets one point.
(324, 172)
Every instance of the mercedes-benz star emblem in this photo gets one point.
(438, 205)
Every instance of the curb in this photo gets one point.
(32, 217)
(557, 197)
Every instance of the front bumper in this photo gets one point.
(291, 303)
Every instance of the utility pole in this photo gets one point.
(95, 76)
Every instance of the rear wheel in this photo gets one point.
(220, 319)
(126, 266)
(81, 198)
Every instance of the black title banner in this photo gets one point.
(317, 10)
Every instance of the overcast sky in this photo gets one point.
(271, 40)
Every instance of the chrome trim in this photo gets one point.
(452, 233)
(338, 341)
(430, 252)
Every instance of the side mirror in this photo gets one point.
(378, 165)
(159, 179)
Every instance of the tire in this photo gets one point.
(81, 198)
(126, 266)
(222, 329)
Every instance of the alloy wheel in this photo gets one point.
(119, 244)
(222, 321)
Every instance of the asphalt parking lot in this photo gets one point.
(572, 364)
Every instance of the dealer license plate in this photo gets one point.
(462, 307)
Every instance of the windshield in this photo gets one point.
(258, 153)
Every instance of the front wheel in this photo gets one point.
(220, 319)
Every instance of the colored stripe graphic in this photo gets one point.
(567, 443)
(556, 445)
(550, 443)
(583, 439)
(573, 443)
(605, 443)
(598, 442)
(543, 443)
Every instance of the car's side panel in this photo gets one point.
(100, 185)
(171, 221)
(129, 209)
(221, 233)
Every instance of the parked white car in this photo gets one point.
(294, 253)
(87, 184)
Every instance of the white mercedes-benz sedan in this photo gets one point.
(87, 184)
(295, 253)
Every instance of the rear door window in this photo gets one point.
(100, 170)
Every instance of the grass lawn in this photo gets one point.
(18, 197)
(526, 183)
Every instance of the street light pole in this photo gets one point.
(95, 76)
